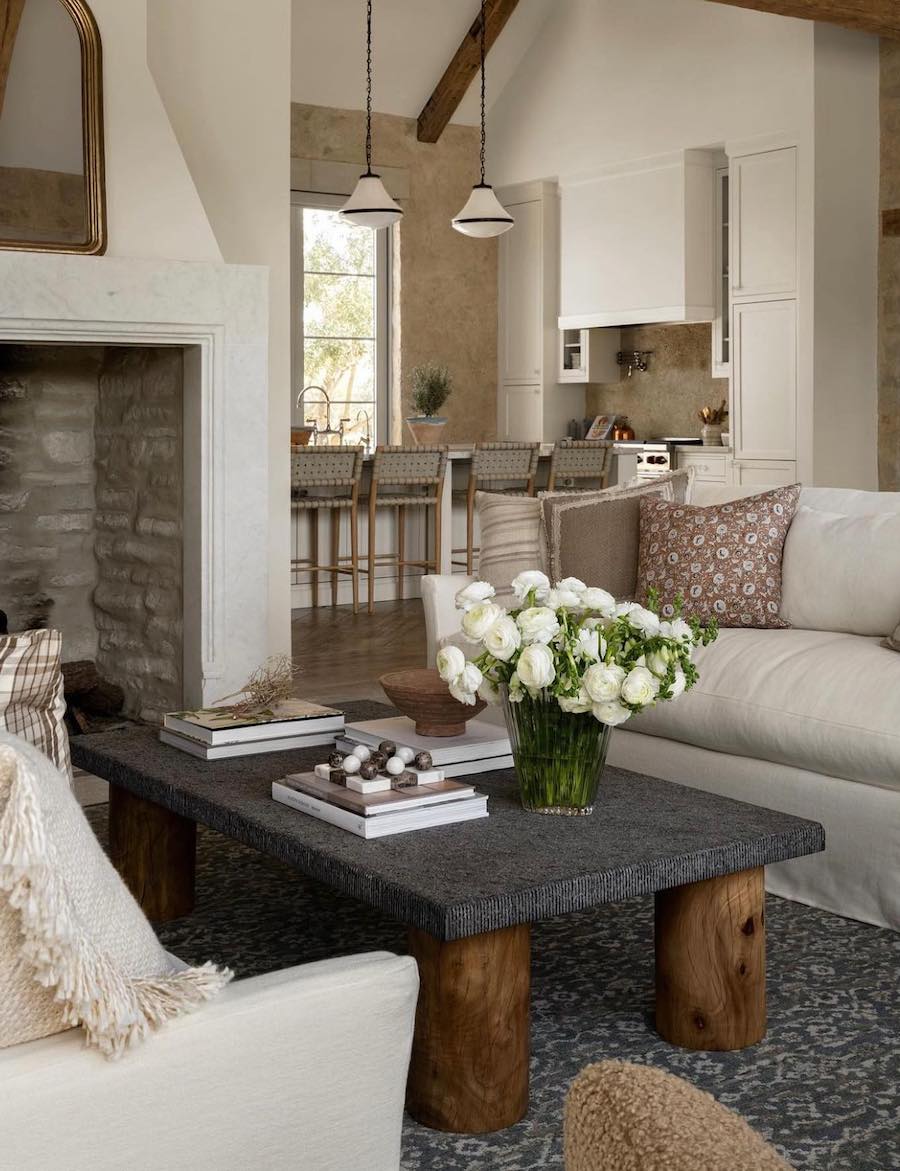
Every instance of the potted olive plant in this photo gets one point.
(431, 387)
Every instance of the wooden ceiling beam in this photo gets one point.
(10, 15)
(462, 70)
(881, 17)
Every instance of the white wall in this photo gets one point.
(41, 123)
(223, 71)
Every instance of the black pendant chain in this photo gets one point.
(369, 88)
(482, 91)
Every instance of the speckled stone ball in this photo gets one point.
(336, 759)
(378, 759)
(368, 771)
(406, 755)
(388, 747)
(423, 760)
(352, 764)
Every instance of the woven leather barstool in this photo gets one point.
(580, 459)
(335, 473)
(511, 464)
(419, 472)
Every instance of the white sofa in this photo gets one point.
(804, 721)
(303, 1068)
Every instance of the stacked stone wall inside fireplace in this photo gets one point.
(91, 509)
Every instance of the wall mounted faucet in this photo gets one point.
(634, 360)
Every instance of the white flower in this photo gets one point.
(466, 684)
(531, 579)
(600, 600)
(535, 667)
(640, 687)
(560, 598)
(575, 703)
(478, 620)
(611, 712)
(658, 662)
(604, 682)
(679, 683)
(587, 644)
(515, 693)
(574, 584)
(451, 663)
(474, 592)
(644, 620)
(503, 638)
(623, 609)
(538, 624)
(489, 691)
(682, 630)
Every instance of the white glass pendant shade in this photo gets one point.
(483, 215)
(370, 206)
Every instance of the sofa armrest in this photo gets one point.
(300, 1068)
(439, 592)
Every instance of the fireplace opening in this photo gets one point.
(92, 511)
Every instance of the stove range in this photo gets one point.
(656, 457)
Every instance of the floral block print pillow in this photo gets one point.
(723, 559)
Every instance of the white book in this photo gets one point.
(446, 813)
(290, 717)
(481, 740)
(227, 751)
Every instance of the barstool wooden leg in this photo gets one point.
(372, 511)
(354, 554)
(335, 551)
(314, 555)
(470, 526)
(401, 547)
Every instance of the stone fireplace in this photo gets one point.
(134, 468)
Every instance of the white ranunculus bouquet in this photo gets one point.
(572, 644)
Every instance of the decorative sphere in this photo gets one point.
(406, 755)
(336, 759)
(378, 759)
(368, 771)
(388, 747)
(394, 766)
(362, 752)
(423, 760)
(352, 763)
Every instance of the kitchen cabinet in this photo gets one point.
(531, 405)
(710, 465)
(589, 355)
(635, 243)
(721, 326)
(764, 426)
(765, 473)
(764, 224)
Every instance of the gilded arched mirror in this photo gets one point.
(51, 128)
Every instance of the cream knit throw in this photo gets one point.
(75, 948)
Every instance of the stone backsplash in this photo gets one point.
(91, 509)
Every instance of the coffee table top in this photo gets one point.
(453, 881)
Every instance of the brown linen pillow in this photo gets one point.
(595, 538)
(724, 559)
(31, 692)
(677, 485)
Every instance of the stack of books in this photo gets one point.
(378, 815)
(217, 734)
(482, 748)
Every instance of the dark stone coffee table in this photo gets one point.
(469, 893)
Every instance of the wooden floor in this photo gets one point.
(342, 654)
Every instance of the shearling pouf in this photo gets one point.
(622, 1117)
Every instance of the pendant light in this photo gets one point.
(483, 215)
(370, 206)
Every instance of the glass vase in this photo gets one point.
(559, 756)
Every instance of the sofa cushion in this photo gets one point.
(810, 699)
(31, 692)
(850, 501)
(828, 581)
(511, 539)
(678, 485)
(75, 948)
(723, 560)
(892, 642)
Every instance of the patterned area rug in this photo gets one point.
(822, 1086)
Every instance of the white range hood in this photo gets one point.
(636, 243)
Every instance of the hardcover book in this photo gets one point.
(219, 725)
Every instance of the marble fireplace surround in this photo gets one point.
(218, 314)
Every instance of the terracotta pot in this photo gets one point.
(422, 695)
(426, 430)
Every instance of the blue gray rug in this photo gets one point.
(823, 1085)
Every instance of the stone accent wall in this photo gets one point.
(48, 397)
(91, 509)
(666, 399)
(138, 599)
(889, 276)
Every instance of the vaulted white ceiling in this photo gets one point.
(413, 42)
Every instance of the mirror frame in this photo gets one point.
(92, 141)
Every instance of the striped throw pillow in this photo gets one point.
(31, 693)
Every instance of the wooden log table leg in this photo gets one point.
(154, 850)
(711, 962)
(469, 1067)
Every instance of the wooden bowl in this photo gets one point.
(421, 694)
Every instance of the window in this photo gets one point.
(341, 323)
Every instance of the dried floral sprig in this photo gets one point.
(270, 684)
(713, 414)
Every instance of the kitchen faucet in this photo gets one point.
(316, 429)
